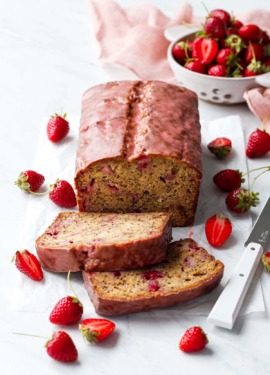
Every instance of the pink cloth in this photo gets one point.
(134, 37)
(258, 101)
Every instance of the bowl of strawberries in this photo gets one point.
(221, 59)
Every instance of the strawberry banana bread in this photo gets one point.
(78, 241)
(139, 150)
(188, 272)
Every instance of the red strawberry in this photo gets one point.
(204, 49)
(254, 68)
(228, 179)
(61, 347)
(225, 56)
(57, 128)
(62, 194)
(222, 14)
(215, 27)
(254, 51)
(264, 39)
(217, 71)
(220, 147)
(266, 261)
(68, 310)
(28, 264)
(240, 200)
(250, 32)
(96, 329)
(193, 340)
(196, 66)
(258, 144)
(236, 24)
(218, 229)
(181, 52)
(30, 181)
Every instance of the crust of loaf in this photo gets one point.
(104, 242)
(198, 285)
(139, 150)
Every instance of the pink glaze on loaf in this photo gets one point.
(139, 150)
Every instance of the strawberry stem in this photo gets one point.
(28, 334)
(267, 167)
(255, 178)
(70, 285)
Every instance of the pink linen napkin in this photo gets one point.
(134, 38)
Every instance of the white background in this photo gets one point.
(48, 57)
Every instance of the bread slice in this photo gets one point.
(188, 272)
(78, 241)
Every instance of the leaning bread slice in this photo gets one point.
(188, 272)
(78, 241)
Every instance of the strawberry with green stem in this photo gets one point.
(68, 310)
(60, 346)
(30, 181)
(240, 199)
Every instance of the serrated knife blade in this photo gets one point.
(226, 308)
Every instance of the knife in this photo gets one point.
(226, 308)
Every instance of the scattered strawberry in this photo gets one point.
(228, 179)
(96, 329)
(215, 27)
(220, 147)
(30, 181)
(218, 229)
(204, 49)
(57, 128)
(193, 340)
(28, 264)
(240, 200)
(61, 347)
(62, 194)
(250, 32)
(266, 261)
(67, 311)
(258, 144)
(195, 66)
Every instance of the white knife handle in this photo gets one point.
(227, 307)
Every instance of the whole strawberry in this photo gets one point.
(228, 179)
(67, 311)
(220, 147)
(95, 330)
(62, 194)
(30, 181)
(240, 200)
(28, 264)
(266, 261)
(218, 229)
(258, 144)
(57, 128)
(193, 340)
(61, 347)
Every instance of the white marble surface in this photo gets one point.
(48, 57)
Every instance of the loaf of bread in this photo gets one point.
(139, 150)
(188, 272)
(78, 241)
